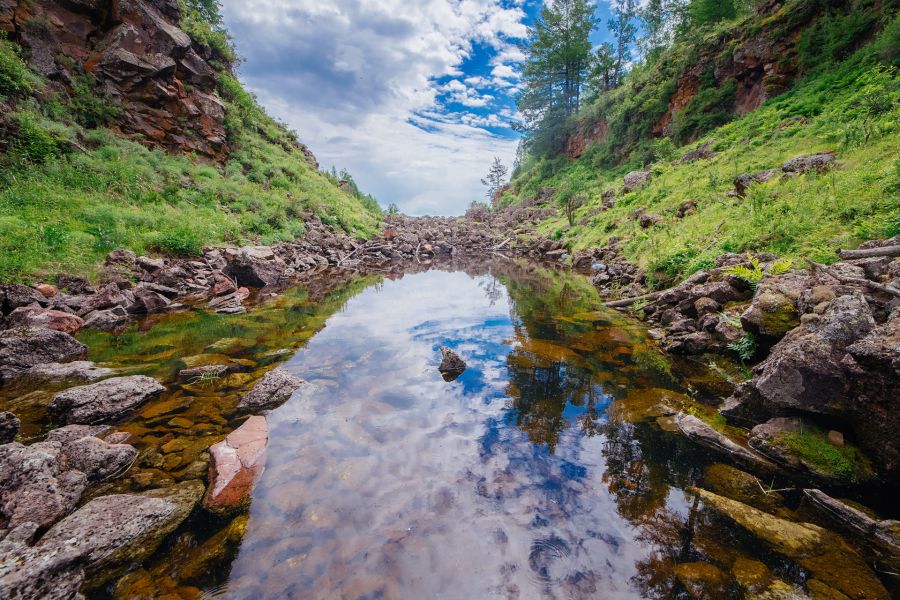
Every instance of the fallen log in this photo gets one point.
(626, 302)
(872, 285)
(870, 252)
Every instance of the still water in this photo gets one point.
(541, 472)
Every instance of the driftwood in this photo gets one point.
(501, 244)
(870, 252)
(872, 285)
(626, 302)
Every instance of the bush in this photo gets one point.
(35, 142)
(89, 107)
(15, 76)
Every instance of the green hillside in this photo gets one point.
(71, 189)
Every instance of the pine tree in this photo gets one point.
(496, 177)
(624, 30)
(603, 69)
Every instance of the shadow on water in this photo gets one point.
(541, 472)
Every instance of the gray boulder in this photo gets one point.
(70, 433)
(9, 427)
(273, 389)
(29, 572)
(105, 400)
(114, 532)
(79, 370)
(16, 296)
(811, 162)
(452, 366)
(21, 349)
(253, 266)
(97, 459)
(635, 180)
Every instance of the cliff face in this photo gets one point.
(141, 59)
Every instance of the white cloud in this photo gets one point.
(350, 76)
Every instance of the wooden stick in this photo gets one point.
(629, 301)
(870, 252)
(814, 266)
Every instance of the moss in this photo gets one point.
(811, 446)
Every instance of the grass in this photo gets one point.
(807, 216)
(811, 446)
(70, 193)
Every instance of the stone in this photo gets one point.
(9, 427)
(29, 572)
(113, 532)
(111, 320)
(109, 296)
(121, 257)
(32, 488)
(825, 555)
(97, 459)
(104, 400)
(47, 290)
(79, 370)
(884, 533)
(253, 266)
(704, 434)
(21, 349)
(17, 296)
(235, 465)
(635, 180)
(752, 575)
(773, 311)
(819, 163)
(274, 389)
(836, 438)
(148, 301)
(703, 581)
(647, 220)
(452, 366)
(35, 316)
(70, 433)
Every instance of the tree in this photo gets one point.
(496, 177)
(603, 69)
(623, 29)
(209, 10)
(558, 51)
(392, 210)
(570, 200)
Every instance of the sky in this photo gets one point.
(413, 97)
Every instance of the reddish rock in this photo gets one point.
(46, 289)
(236, 463)
(32, 316)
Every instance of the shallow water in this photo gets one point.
(541, 472)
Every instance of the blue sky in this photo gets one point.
(413, 97)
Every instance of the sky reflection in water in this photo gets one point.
(383, 480)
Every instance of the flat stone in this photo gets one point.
(105, 400)
(274, 389)
(705, 435)
(23, 348)
(35, 316)
(79, 370)
(235, 464)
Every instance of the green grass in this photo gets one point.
(852, 108)
(810, 445)
(70, 193)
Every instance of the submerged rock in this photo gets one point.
(704, 581)
(9, 427)
(274, 389)
(236, 463)
(113, 532)
(105, 400)
(705, 435)
(23, 348)
(825, 555)
(452, 366)
(79, 370)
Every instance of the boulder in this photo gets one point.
(21, 349)
(109, 296)
(104, 400)
(30, 572)
(647, 220)
(774, 308)
(819, 163)
(35, 316)
(32, 488)
(235, 464)
(9, 427)
(70, 433)
(110, 320)
(452, 366)
(704, 434)
(635, 180)
(253, 266)
(113, 532)
(274, 389)
(97, 459)
(47, 290)
(17, 296)
(79, 370)
(148, 301)
(815, 549)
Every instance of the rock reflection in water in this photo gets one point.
(387, 482)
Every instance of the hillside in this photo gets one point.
(740, 98)
(123, 125)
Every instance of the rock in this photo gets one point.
(733, 483)
(46, 290)
(17, 296)
(635, 180)
(836, 438)
(110, 320)
(686, 209)
(114, 532)
(105, 400)
(34, 316)
(774, 310)
(702, 152)
(9, 427)
(148, 301)
(647, 220)
(70, 433)
(97, 459)
(885, 533)
(151, 265)
(79, 370)
(701, 432)
(274, 389)
(110, 296)
(452, 366)
(253, 266)
(21, 349)
(752, 575)
(811, 162)
(825, 555)
(32, 489)
(235, 464)
(29, 572)
(203, 372)
(704, 581)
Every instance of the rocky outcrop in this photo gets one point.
(274, 389)
(163, 84)
(9, 427)
(452, 366)
(236, 463)
(104, 401)
(21, 349)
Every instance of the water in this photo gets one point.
(542, 472)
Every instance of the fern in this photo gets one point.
(754, 273)
(780, 267)
(745, 347)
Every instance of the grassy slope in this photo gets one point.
(809, 216)
(69, 194)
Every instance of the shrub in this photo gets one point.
(34, 142)
(15, 76)
(89, 107)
